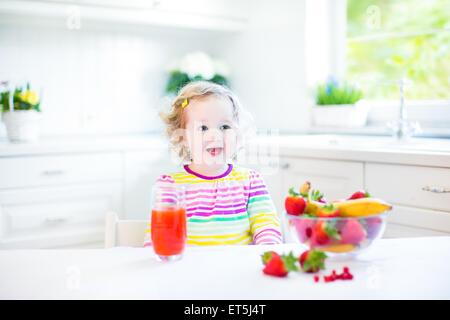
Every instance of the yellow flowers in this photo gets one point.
(23, 98)
(30, 97)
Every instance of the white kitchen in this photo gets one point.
(346, 97)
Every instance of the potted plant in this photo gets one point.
(339, 105)
(195, 66)
(21, 114)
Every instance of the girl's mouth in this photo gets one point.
(214, 151)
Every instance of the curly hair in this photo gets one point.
(175, 119)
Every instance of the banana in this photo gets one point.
(362, 207)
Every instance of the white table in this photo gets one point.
(392, 268)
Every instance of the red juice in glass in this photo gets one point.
(168, 231)
(168, 221)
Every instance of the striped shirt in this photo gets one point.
(232, 208)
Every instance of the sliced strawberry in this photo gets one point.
(312, 260)
(359, 194)
(294, 204)
(353, 232)
(323, 233)
(303, 228)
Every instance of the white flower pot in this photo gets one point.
(347, 115)
(22, 125)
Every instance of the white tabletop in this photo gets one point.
(392, 268)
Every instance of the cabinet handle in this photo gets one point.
(436, 189)
(55, 220)
(50, 173)
(285, 166)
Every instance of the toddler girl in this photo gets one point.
(225, 203)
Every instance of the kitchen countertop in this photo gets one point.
(405, 268)
(381, 149)
(74, 144)
(418, 151)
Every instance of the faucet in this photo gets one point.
(402, 129)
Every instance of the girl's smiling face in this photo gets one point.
(210, 130)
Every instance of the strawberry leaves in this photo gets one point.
(293, 193)
(315, 195)
(313, 260)
(331, 231)
(280, 265)
(290, 262)
(267, 256)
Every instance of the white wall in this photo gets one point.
(110, 79)
(97, 79)
(268, 66)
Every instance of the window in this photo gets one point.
(391, 39)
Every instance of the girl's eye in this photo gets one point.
(225, 127)
(203, 128)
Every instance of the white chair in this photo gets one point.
(127, 233)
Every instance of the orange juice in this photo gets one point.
(168, 230)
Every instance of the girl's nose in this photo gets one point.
(213, 135)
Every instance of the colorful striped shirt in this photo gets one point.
(232, 208)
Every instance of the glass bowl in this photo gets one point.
(337, 236)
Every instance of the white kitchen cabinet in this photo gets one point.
(218, 15)
(58, 216)
(51, 199)
(420, 196)
(47, 170)
(141, 170)
(58, 200)
(336, 179)
(416, 186)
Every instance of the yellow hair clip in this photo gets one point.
(185, 103)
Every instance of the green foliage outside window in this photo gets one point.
(390, 39)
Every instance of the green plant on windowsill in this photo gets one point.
(335, 93)
(339, 105)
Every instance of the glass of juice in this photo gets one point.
(168, 221)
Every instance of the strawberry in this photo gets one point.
(312, 260)
(278, 266)
(359, 194)
(266, 256)
(323, 233)
(353, 232)
(328, 211)
(294, 204)
(303, 228)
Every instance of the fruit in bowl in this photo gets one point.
(342, 227)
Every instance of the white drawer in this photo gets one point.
(410, 185)
(400, 231)
(29, 218)
(59, 169)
